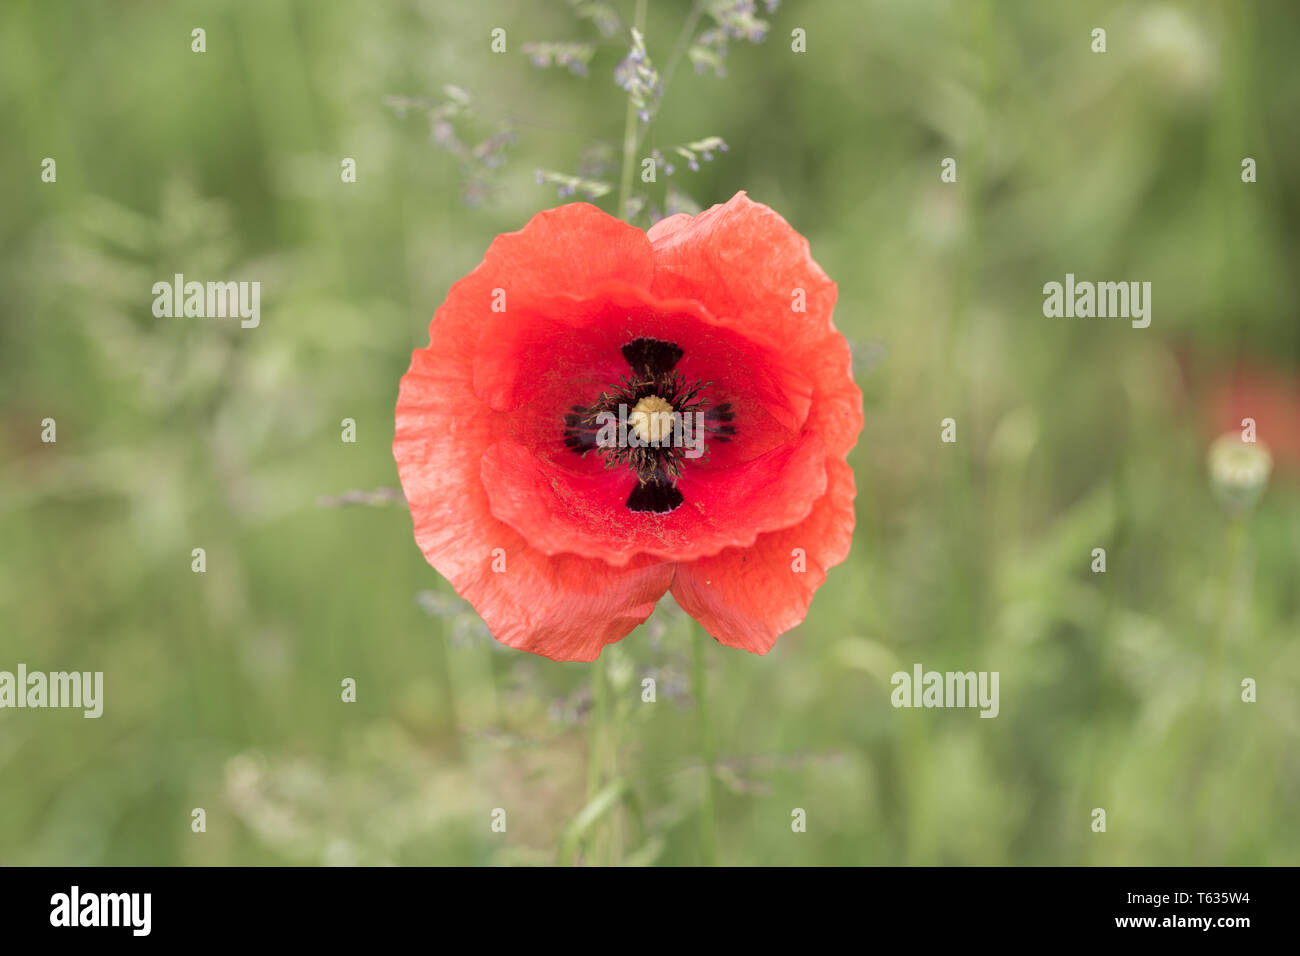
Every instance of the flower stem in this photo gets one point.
(598, 718)
(1236, 588)
(629, 130)
(679, 48)
(597, 729)
(708, 839)
(1216, 739)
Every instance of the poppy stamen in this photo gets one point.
(653, 419)
(663, 422)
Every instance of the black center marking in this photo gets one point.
(657, 466)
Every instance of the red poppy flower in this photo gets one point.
(727, 482)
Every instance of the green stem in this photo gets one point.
(679, 48)
(1217, 735)
(629, 131)
(708, 839)
(596, 745)
(1236, 586)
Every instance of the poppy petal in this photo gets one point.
(565, 607)
(745, 264)
(748, 597)
(561, 511)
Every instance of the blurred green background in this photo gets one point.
(222, 690)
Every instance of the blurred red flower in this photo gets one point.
(1268, 394)
(564, 541)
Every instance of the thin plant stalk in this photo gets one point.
(699, 689)
(630, 130)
